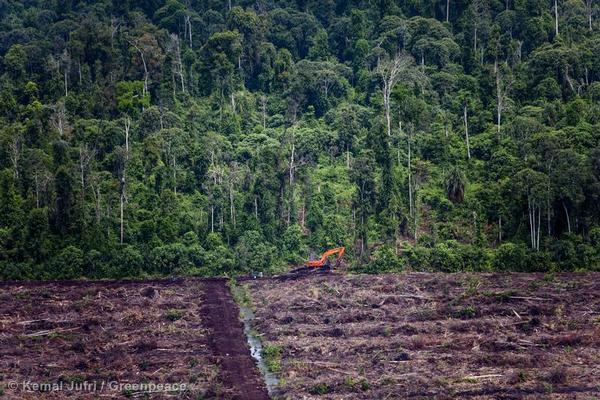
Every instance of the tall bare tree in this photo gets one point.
(466, 125)
(15, 149)
(123, 180)
(556, 17)
(187, 22)
(65, 61)
(589, 9)
(115, 24)
(135, 44)
(263, 108)
(41, 175)
(292, 168)
(215, 173)
(175, 48)
(86, 155)
(235, 174)
(503, 85)
(479, 12)
(59, 119)
(391, 71)
(96, 182)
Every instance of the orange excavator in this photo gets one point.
(325, 263)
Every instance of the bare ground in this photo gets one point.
(162, 332)
(239, 376)
(434, 336)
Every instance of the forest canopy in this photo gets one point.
(205, 137)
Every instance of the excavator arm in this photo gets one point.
(323, 261)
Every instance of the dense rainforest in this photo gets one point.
(159, 137)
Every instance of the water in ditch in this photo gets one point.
(256, 349)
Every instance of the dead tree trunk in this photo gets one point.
(188, 24)
(122, 194)
(122, 210)
(85, 157)
(390, 74)
(535, 213)
(139, 50)
(15, 154)
(263, 106)
(410, 178)
(590, 11)
(212, 218)
(291, 179)
(232, 203)
(567, 216)
(37, 190)
(466, 123)
(556, 17)
(503, 86)
(500, 229)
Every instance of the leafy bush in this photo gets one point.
(173, 315)
(170, 259)
(447, 256)
(320, 388)
(417, 257)
(272, 356)
(126, 261)
(293, 243)
(95, 265)
(18, 271)
(518, 257)
(384, 259)
(68, 264)
(510, 256)
(253, 253)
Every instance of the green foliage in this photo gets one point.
(272, 356)
(68, 264)
(320, 389)
(15, 60)
(131, 97)
(510, 256)
(169, 259)
(253, 253)
(173, 315)
(222, 141)
(126, 261)
(384, 259)
(293, 244)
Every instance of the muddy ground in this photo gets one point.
(119, 333)
(433, 336)
(238, 371)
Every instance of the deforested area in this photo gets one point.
(424, 336)
(107, 336)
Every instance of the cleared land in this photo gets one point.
(418, 336)
(159, 332)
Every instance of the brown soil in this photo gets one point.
(434, 336)
(238, 374)
(159, 331)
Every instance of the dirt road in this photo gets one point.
(238, 372)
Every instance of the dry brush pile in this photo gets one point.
(433, 335)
